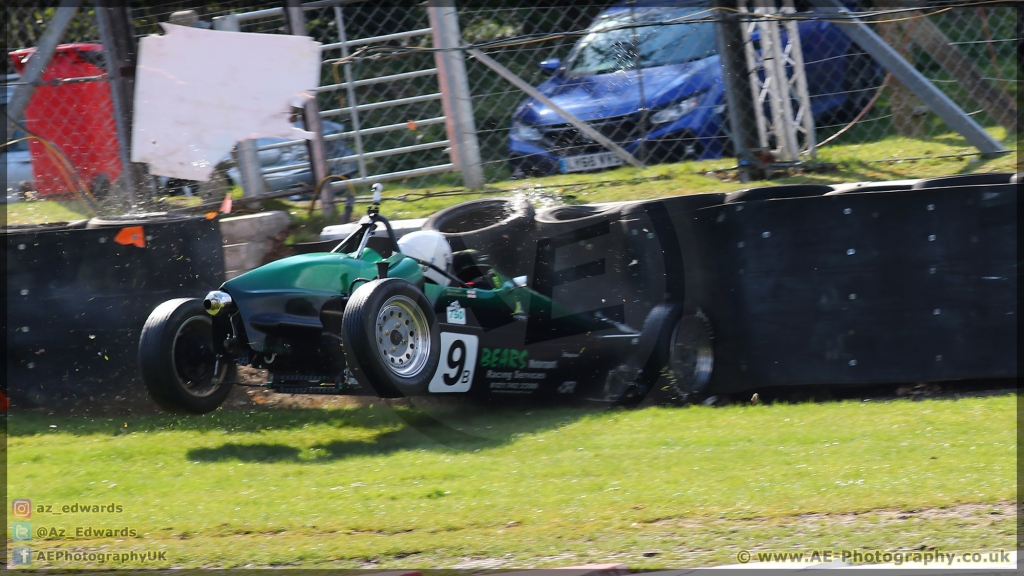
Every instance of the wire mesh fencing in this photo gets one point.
(603, 84)
(649, 78)
(65, 144)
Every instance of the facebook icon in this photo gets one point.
(21, 555)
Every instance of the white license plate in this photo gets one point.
(589, 162)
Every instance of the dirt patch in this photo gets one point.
(978, 513)
(249, 397)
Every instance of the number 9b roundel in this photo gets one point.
(458, 361)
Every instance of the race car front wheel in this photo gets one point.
(181, 371)
(391, 337)
(681, 355)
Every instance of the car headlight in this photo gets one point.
(526, 132)
(676, 111)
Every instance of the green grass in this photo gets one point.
(870, 161)
(363, 487)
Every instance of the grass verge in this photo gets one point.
(381, 487)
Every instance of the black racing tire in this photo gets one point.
(392, 341)
(577, 212)
(691, 357)
(983, 179)
(681, 354)
(483, 224)
(503, 229)
(655, 339)
(133, 220)
(179, 366)
(777, 192)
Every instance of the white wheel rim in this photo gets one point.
(402, 337)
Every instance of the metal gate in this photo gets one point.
(392, 109)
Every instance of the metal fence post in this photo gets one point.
(738, 90)
(353, 105)
(117, 34)
(37, 64)
(455, 96)
(246, 155)
(295, 23)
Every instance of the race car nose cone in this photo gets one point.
(216, 301)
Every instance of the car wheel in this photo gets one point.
(179, 367)
(391, 337)
(691, 357)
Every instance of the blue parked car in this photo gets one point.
(681, 78)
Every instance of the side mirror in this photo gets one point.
(551, 64)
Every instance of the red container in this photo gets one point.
(77, 117)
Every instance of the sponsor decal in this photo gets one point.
(503, 358)
(516, 374)
(529, 386)
(471, 293)
(543, 364)
(567, 387)
(456, 313)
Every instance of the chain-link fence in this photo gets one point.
(604, 84)
(71, 110)
(649, 78)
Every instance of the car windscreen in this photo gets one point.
(663, 36)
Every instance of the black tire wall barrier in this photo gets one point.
(77, 299)
(802, 288)
(860, 288)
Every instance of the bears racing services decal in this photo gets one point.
(503, 358)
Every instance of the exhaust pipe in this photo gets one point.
(216, 301)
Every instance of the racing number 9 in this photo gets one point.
(458, 363)
(457, 348)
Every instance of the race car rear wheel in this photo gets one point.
(691, 357)
(179, 367)
(391, 337)
(681, 356)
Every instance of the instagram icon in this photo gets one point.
(21, 508)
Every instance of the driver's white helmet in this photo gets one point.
(431, 247)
